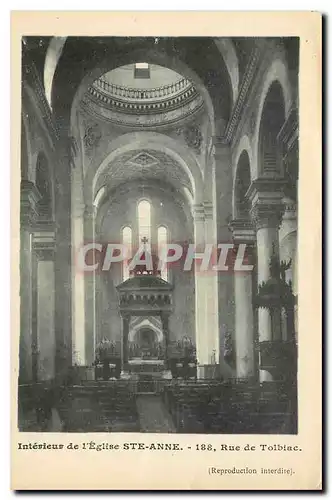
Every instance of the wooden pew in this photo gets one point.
(232, 407)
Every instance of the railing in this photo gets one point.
(137, 94)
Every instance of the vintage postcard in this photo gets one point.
(166, 243)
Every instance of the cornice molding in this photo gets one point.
(136, 105)
(89, 107)
(43, 244)
(271, 186)
(266, 196)
(208, 210)
(250, 75)
(198, 212)
(243, 231)
(267, 215)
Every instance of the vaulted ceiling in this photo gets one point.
(82, 56)
(143, 165)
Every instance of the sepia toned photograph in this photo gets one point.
(164, 283)
(159, 235)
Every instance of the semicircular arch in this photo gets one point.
(74, 75)
(277, 72)
(154, 142)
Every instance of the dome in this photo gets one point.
(144, 90)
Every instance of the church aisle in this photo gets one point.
(153, 416)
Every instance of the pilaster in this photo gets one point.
(78, 289)
(244, 233)
(46, 352)
(90, 290)
(29, 199)
(63, 257)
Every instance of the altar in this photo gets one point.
(145, 294)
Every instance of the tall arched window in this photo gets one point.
(162, 240)
(144, 220)
(127, 242)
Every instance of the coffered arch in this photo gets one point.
(148, 154)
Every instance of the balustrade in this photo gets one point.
(135, 94)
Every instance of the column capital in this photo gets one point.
(290, 209)
(208, 209)
(30, 197)
(266, 197)
(266, 216)
(203, 211)
(43, 244)
(198, 212)
(243, 231)
(266, 188)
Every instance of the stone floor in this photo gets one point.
(153, 415)
(81, 415)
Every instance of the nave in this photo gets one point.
(209, 407)
(175, 147)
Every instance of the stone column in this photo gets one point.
(200, 296)
(165, 327)
(29, 200)
(124, 353)
(63, 261)
(266, 197)
(288, 250)
(206, 292)
(43, 247)
(223, 203)
(243, 233)
(90, 289)
(211, 290)
(78, 299)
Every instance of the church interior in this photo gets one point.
(146, 142)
